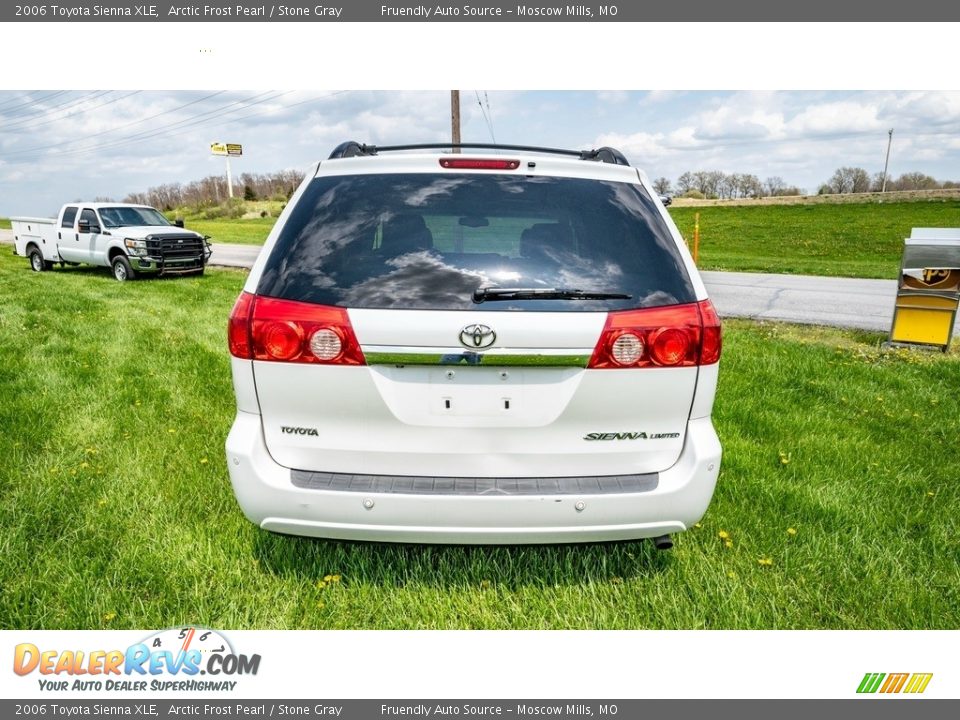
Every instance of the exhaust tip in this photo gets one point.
(663, 542)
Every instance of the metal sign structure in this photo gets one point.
(227, 150)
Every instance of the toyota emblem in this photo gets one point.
(477, 336)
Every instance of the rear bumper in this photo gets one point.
(270, 499)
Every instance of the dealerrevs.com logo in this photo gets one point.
(891, 683)
(172, 659)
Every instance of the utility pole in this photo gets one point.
(455, 118)
(886, 163)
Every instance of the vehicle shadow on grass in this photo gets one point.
(510, 567)
(104, 273)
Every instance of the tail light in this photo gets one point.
(264, 328)
(673, 336)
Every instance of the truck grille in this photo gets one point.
(174, 247)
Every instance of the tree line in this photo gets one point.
(714, 184)
(212, 190)
(857, 180)
(720, 185)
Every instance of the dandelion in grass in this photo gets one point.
(791, 531)
(765, 561)
(728, 544)
(203, 461)
(723, 535)
(108, 617)
(784, 458)
(321, 584)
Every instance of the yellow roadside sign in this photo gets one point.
(219, 148)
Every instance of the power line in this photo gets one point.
(117, 127)
(30, 125)
(484, 113)
(489, 115)
(145, 134)
(30, 121)
(34, 101)
(187, 124)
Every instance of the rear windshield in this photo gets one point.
(430, 241)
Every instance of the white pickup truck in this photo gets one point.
(129, 239)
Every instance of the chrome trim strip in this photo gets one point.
(475, 486)
(499, 357)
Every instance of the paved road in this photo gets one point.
(841, 302)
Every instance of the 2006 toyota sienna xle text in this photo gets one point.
(497, 345)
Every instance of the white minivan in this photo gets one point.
(499, 344)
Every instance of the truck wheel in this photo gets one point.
(121, 269)
(37, 263)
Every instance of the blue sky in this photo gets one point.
(82, 144)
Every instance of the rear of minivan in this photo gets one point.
(505, 348)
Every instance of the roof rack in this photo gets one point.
(354, 149)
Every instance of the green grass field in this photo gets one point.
(838, 495)
(851, 240)
(5, 224)
(251, 231)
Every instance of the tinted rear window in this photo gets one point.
(68, 217)
(428, 241)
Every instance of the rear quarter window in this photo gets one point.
(69, 215)
(428, 241)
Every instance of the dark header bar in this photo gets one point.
(151, 709)
(483, 11)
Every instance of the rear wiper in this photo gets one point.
(496, 293)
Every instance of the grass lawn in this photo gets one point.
(117, 512)
(851, 240)
(5, 224)
(251, 231)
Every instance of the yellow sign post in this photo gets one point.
(928, 290)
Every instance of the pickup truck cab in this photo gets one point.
(129, 239)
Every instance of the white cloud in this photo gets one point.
(835, 118)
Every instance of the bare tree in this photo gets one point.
(773, 186)
(859, 180)
(662, 186)
(849, 180)
(839, 182)
(916, 181)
